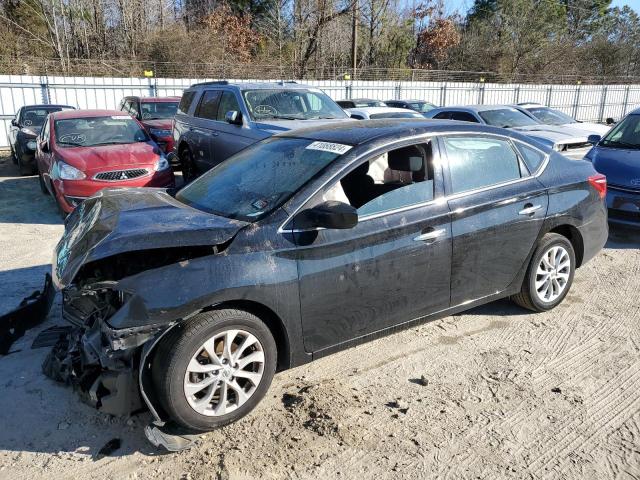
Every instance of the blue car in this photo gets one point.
(617, 155)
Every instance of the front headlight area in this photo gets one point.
(64, 171)
(162, 163)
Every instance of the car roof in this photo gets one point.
(476, 108)
(373, 110)
(363, 100)
(530, 104)
(47, 105)
(87, 113)
(635, 112)
(256, 85)
(156, 99)
(362, 131)
(410, 100)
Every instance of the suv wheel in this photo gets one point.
(214, 369)
(550, 274)
(43, 187)
(187, 166)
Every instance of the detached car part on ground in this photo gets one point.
(305, 244)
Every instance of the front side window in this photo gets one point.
(476, 162)
(256, 181)
(443, 116)
(228, 103)
(506, 118)
(298, 104)
(422, 107)
(549, 116)
(35, 117)
(463, 117)
(399, 178)
(625, 134)
(208, 106)
(94, 131)
(158, 110)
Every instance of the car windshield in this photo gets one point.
(158, 110)
(295, 104)
(34, 117)
(395, 115)
(422, 107)
(548, 116)
(506, 118)
(625, 134)
(254, 182)
(94, 131)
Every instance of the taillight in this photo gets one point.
(599, 184)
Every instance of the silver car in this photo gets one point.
(569, 142)
(551, 116)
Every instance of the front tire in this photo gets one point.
(187, 165)
(43, 187)
(214, 369)
(549, 275)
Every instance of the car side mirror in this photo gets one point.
(331, 214)
(233, 117)
(14, 122)
(593, 139)
(610, 121)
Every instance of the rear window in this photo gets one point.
(185, 101)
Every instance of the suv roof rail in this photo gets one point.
(214, 82)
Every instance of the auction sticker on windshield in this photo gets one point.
(329, 147)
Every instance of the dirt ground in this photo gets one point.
(495, 392)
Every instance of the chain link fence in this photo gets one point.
(136, 68)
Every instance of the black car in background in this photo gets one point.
(305, 244)
(417, 105)
(361, 103)
(24, 129)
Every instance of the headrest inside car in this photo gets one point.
(406, 160)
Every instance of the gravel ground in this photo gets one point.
(495, 392)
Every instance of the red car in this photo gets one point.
(80, 152)
(156, 114)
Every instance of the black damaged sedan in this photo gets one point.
(305, 244)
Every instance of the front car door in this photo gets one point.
(498, 207)
(230, 138)
(394, 265)
(44, 158)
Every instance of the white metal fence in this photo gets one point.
(584, 102)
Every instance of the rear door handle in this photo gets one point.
(529, 209)
(430, 236)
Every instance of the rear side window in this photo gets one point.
(532, 158)
(443, 116)
(208, 106)
(228, 103)
(185, 102)
(463, 117)
(476, 162)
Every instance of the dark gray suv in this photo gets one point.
(218, 119)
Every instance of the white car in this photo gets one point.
(372, 113)
(551, 116)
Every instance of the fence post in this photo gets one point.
(625, 103)
(603, 102)
(347, 92)
(398, 90)
(481, 94)
(443, 95)
(516, 95)
(44, 89)
(576, 102)
(549, 93)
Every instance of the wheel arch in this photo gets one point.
(574, 236)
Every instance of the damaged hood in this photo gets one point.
(127, 220)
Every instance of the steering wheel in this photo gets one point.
(265, 110)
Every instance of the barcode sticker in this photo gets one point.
(329, 147)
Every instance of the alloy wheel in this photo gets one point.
(224, 372)
(552, 275)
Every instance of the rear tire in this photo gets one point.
(549, 275)
(24, 169)
(214, 369)
(187, 165)
(43, 187)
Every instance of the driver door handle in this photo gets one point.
(430, 235)
(529, 209)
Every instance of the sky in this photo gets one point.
(464, 5)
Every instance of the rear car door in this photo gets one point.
(498, 207)
(230, 138)
(393, 266)
(203, 130)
